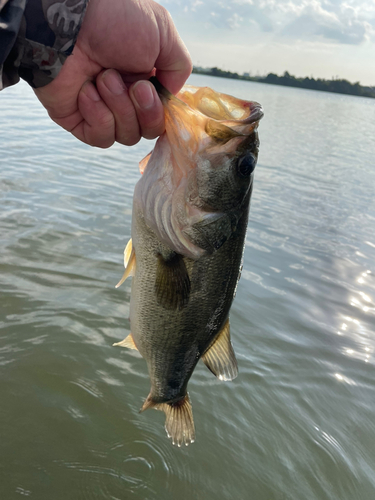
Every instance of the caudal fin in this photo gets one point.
(179, 422)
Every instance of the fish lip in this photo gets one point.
(256, 113)
(247, 126)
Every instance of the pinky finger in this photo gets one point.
(97, 127)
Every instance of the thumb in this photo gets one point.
(173, 65)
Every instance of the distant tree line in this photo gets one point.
(339, 86)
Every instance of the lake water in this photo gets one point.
(299, 421)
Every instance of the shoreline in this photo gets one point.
(333, 86)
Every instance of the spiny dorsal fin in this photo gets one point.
(128, 342)
(172, 283)
(220, 357)
(179, 422)
(129, 263)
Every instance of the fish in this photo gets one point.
(189, 221)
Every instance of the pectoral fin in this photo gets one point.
(172, 283)
(179, 422)
(220, 357)
(128, 342)
(129, 263)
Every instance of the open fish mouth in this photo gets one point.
(215, 105)
(199, 118)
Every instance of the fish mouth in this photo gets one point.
(201, 119)
(249, 123)
(222, 108)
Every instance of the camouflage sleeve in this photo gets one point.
(36, 37)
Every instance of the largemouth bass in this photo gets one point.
(190, 213)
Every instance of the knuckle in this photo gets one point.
(151, 134)
(127, 139)
(99, 138)
(102, 142)
(105, 120)
(165, 16)
(127, 114)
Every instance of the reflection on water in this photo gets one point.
(298, 421)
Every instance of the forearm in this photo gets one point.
(36, 37)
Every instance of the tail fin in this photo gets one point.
(179, 422)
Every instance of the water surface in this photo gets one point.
(298, 422)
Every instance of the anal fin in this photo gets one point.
(129, 263)
(179, 422)
(128, 342)
(220, 357)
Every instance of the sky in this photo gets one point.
(319, 38)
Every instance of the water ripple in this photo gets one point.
(297, 422)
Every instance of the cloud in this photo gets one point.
(341, 21)
(234, 21)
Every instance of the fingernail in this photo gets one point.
(113, 82)
(91, 92)
(143, 94)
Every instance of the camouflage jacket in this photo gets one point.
(36, 37)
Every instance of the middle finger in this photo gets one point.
(115, 94)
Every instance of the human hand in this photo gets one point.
(136, 38)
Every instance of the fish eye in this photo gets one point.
(246, 165)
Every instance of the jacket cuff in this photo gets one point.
(47, 36)
(11, 12)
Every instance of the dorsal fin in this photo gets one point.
(179, 422)
(128, 342)
(220, 357)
